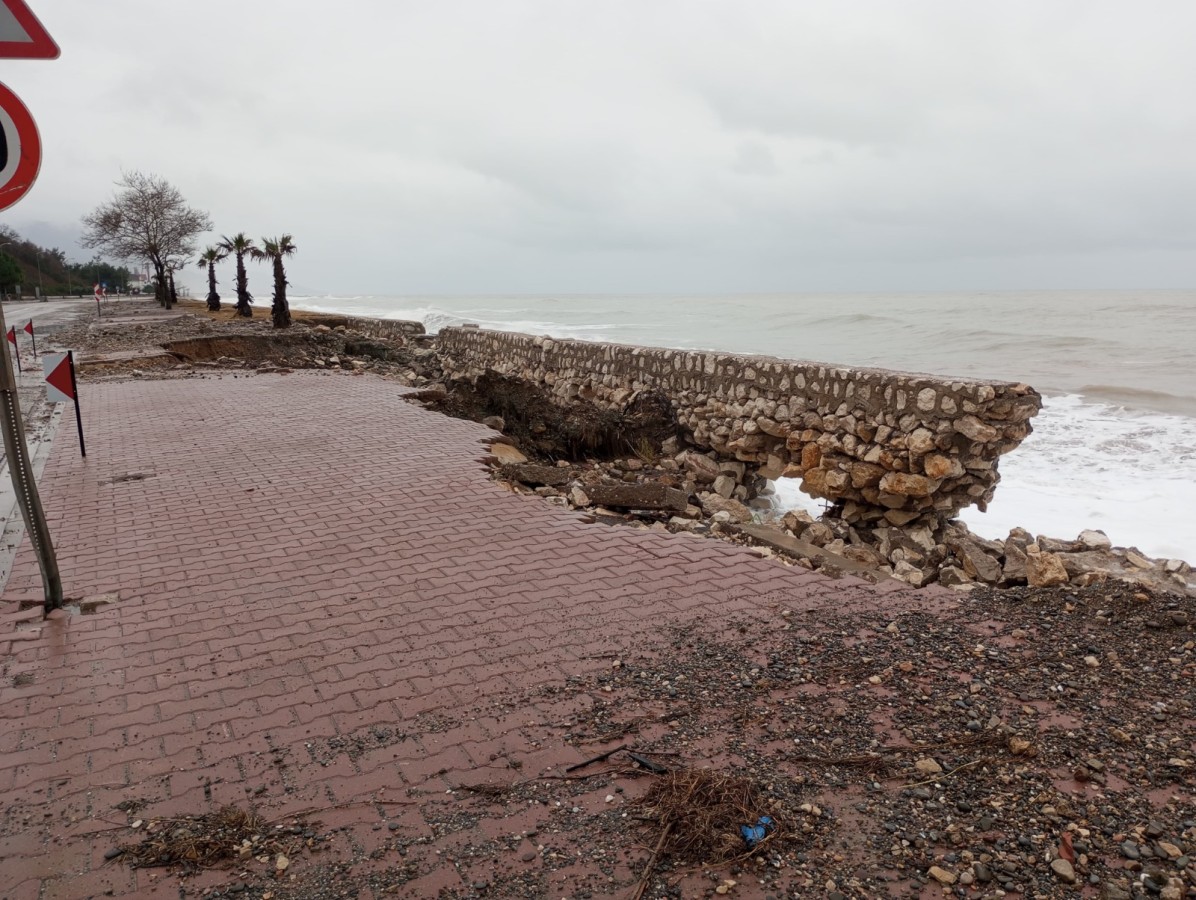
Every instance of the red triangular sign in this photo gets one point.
(12, 335)
(22, 35)
(28, 327)
(57, 367)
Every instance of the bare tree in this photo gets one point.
(147, 219)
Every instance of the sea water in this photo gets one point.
(1114, 447)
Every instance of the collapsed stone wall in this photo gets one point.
(386, 329)
(884, 447)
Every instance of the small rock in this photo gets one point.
(942, 876)
(1173, 890)
(1095, 540)
(1170, 849)
(1063, 870)
(507, 455)
(928, 766)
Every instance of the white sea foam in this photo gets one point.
(1091, 465)
(1131, 475)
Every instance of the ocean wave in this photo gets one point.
(853, 319)
(1138, 398)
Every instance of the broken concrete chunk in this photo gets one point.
(638, 496)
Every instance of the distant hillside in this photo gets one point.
(49, 268)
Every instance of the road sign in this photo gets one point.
(22, 35)
(60, 387)
(20, 149)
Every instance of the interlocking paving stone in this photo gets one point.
(306, 556)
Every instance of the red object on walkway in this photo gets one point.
(12, 339)
(61, 386)
(60, 377)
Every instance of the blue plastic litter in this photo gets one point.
(754, 834)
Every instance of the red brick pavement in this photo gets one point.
(302, 560)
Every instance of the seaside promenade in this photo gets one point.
(319, 604)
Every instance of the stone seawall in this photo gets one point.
(389, 329)
(884, 447)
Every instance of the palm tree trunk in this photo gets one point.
(244, 300)
(213, 297)
(280, 311)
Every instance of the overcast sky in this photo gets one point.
(503, 146)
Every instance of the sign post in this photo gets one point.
(22, 37)
(61, 386)
(24, 482)
(28, 329)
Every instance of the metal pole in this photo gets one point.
(23, 482)
(41, 288)
(70, 361)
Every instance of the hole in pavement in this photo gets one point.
(129, 476)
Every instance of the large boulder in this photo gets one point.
(703, 468)
(712, 504)
(974, 557)
(973, 429)
(904, 484)
(1014, 570)
(1044, 569)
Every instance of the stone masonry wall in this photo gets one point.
(885, 447)
(393, 329)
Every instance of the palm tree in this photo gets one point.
(209, 258)
(239, 245)
(275, 249)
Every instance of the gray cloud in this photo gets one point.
(679, 145)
